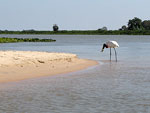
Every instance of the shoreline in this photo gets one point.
(21, 65)
(79, 32)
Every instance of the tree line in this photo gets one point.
(137, 24)
(134, 26)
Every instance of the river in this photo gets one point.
(110, 87)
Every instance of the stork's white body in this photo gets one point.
(112, 44)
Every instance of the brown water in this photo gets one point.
(110, 87)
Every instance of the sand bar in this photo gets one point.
(20, 65)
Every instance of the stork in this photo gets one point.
(111, 44)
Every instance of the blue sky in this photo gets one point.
(70, 14)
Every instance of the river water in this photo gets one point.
(110, 87)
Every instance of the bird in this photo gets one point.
(111, 44)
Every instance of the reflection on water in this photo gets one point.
(110, 87)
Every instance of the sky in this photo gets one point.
(70, 14)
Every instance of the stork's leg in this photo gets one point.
(110, 54)
(115, 54)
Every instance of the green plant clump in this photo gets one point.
(14, 40)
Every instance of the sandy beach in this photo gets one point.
(20, 65)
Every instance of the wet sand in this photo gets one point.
(20, 65)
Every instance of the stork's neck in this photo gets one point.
(104, 45)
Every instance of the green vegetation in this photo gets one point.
(13, 40)
(88, 32)
(55, 27)
(135, 26)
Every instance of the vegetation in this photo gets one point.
(87, 32)
(55, 27)
(13, 40)
(146, 24)
(135, 26)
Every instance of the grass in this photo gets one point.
(81, 32)
(14, 40)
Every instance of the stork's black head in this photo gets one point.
(104, 45)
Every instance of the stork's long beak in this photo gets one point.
(103, 48)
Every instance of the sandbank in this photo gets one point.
(20, 65)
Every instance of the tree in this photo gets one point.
(55, 27)
(103, 28)
(135, 24)
(123, 28)
(146, 24)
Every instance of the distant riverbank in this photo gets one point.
(81, 32)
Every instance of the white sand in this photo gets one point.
(20, 65)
